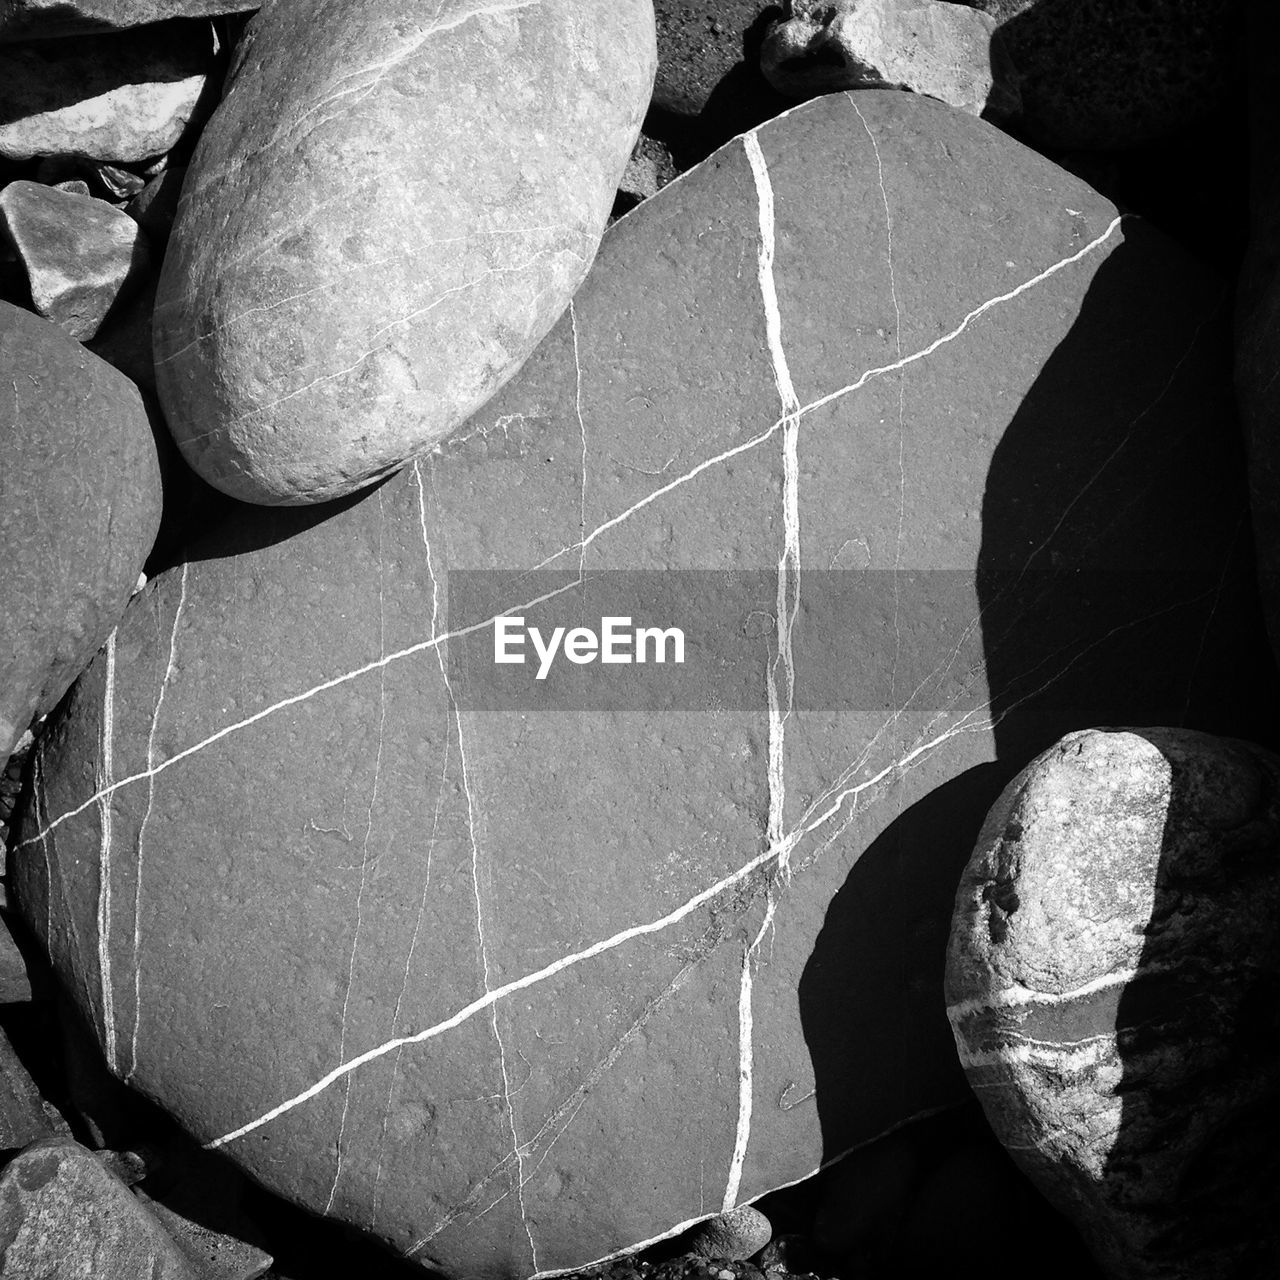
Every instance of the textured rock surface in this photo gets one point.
(24, 1115)
(1112, 979)
(80, 255)
(468, 978)
(421, 208)
(121, 98)
(39, 19)
(1116, 73)
(79, 510)
(698, 46)
(946, 51)
(734, 1236)
(63, 1215)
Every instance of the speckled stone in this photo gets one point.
(1111, 979)
(81, 255)
(79, 509)
(62, 1214)
(424, 201)
(516, 990)
(121, 98)
(733, 1236)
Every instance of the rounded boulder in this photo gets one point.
(382, 218)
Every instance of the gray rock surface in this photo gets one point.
(423, 203)
(503, 964)
(1111, 981)
(81, 256)
(946, 51)
(120, 98)
(25, 1117)
(63, 1215)
(79, 509)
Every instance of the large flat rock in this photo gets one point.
(930, 451)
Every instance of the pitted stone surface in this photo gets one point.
(122, 98)
(382, 219)
(1111, 980)
(79, 510)
(467, 978)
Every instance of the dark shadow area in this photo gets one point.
(1195, 1166)
(741, 99)
(1115, 587)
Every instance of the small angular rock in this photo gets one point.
(733, 1236)
(945, 51)
(80, 254)
(1111, 983)
(119, 98)
(63, 1215)
(25, 1117)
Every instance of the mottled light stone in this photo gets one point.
(80, 254)
(121, 98)
(513, 989)
(384, 216)
(947, 51)
(79, 510)
(1111, 981)
(62, 1214)
(732, 1236)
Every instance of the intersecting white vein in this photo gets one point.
(897, 342)
(364, 869)
(558, 1121)
(146, 817)
(485, 963)
(692, 474)
(104, 854)
(831, 396)
(431, 844)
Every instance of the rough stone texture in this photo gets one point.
(1258, 310)
(212, 1255)
(79, 510)
(1117, 73)
(733, 1236)
(1112, 979)
(120, 98)
(40, 19)
(80, 255)
(24, 1115)
(946, 51)
(422, 203)
(62, 1215)
(467, 978)
(698, 45)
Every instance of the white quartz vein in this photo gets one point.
(105, 805)
(1015, 995)
(746, 1063)
(582, 431)
(432, 642)
(140, 857)
(364, 868)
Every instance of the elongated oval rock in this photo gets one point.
(515, 973)
(79, 510)
(383, 217)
